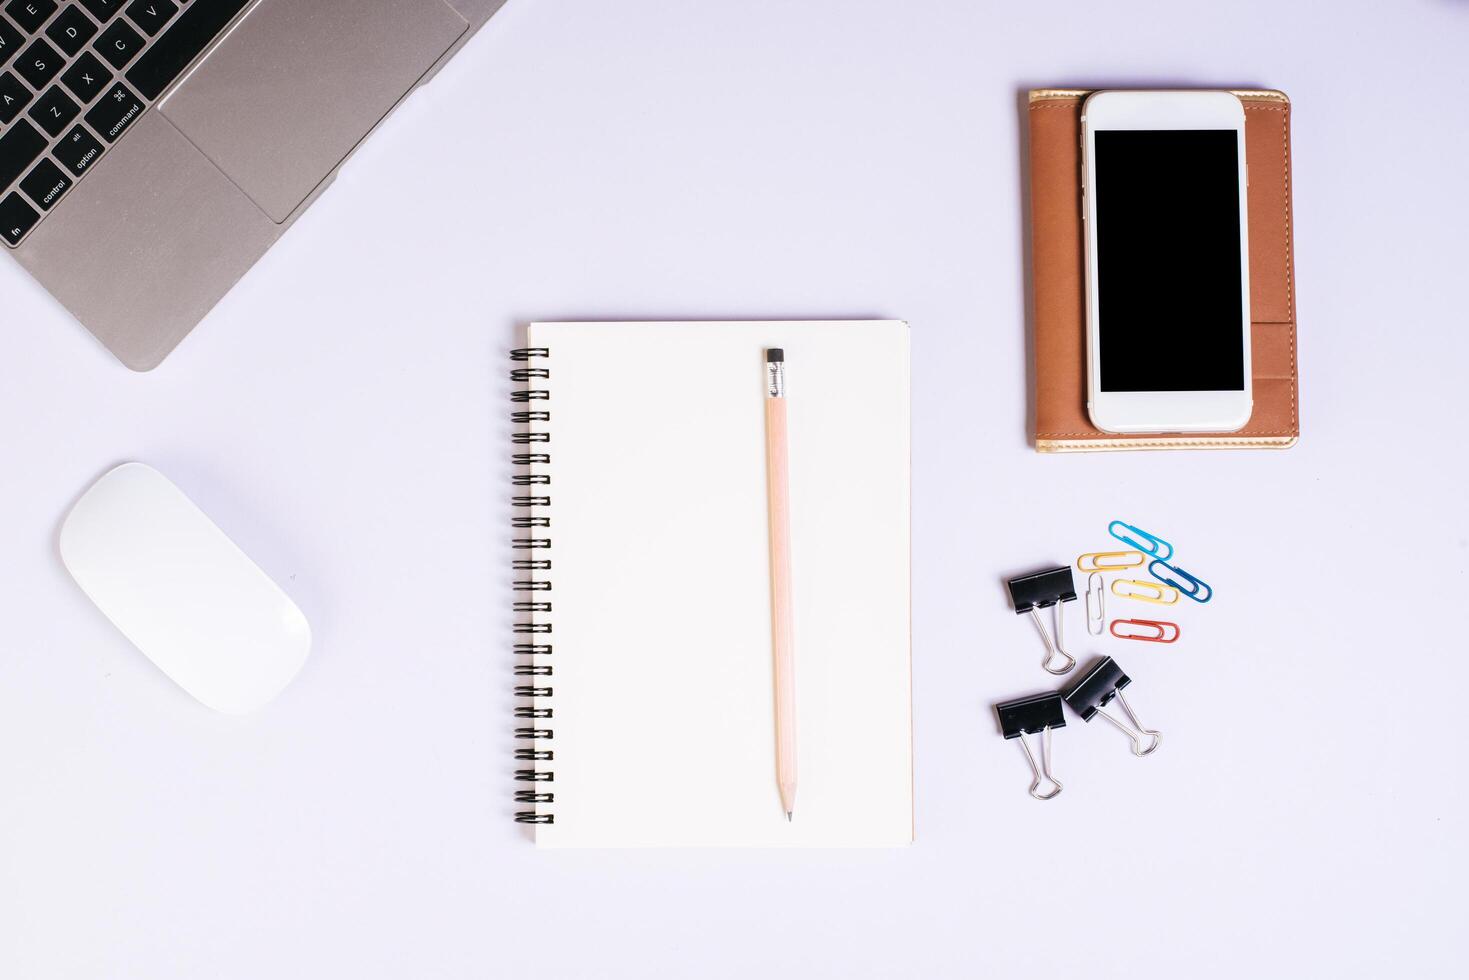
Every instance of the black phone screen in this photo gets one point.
(1168, 260)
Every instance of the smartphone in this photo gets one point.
(1167, 270)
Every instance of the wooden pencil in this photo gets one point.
(777, 475)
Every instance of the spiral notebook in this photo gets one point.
(645, 690)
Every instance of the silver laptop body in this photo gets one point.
(171, 142)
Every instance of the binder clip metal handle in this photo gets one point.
(1097, 688)
(1052, 587)
(1044, 768)
(1054, 648)
(1135, 731)
(1039, 713)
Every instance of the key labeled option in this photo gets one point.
(16, 218)
(78, 150)
(115, 112)
(45, 184)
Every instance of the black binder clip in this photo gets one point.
(1095, 689)
(1038, 590)
(1027, 716)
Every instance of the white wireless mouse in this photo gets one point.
(183, 592)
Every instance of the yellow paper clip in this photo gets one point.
(1131, 588)
(1109, 561)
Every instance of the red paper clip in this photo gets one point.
(1158, 631)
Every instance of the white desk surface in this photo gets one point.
(343, 415)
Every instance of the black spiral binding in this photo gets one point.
(531, 612)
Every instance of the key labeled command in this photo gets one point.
(115, 112)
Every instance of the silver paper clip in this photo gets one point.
(1096, 605)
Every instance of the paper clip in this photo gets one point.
(1095, 689)
(1149, 544)
(1125, 559)
(1038, 590)
(1026, 716)
(1196, 589)
(1096, 605)
(1156, 631)
(1163, 595)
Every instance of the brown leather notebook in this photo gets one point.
(1061, 418)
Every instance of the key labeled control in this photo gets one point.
(45, 184)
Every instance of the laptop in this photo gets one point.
(152, 150)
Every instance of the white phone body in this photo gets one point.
(1208, 400)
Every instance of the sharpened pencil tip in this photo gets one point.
(788, 816)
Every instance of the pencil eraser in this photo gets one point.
(774, 355)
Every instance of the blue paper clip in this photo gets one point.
(1197, 590)
(1149, 544)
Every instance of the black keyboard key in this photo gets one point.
(78, 150)
(115, 112)
(10, 40)
(54, 110)
(45, 184)
(176, 47)
(103, 10)
(71, 30)
(30, 14)
(20, 145)
(39, 63)
(119, 43)
(87, 77)
(13, 96)
(16, 218)
(151, 15)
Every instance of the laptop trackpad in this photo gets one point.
(296, 85)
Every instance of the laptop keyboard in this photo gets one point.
(74, 76)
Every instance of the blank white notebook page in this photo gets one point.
(663, 703)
